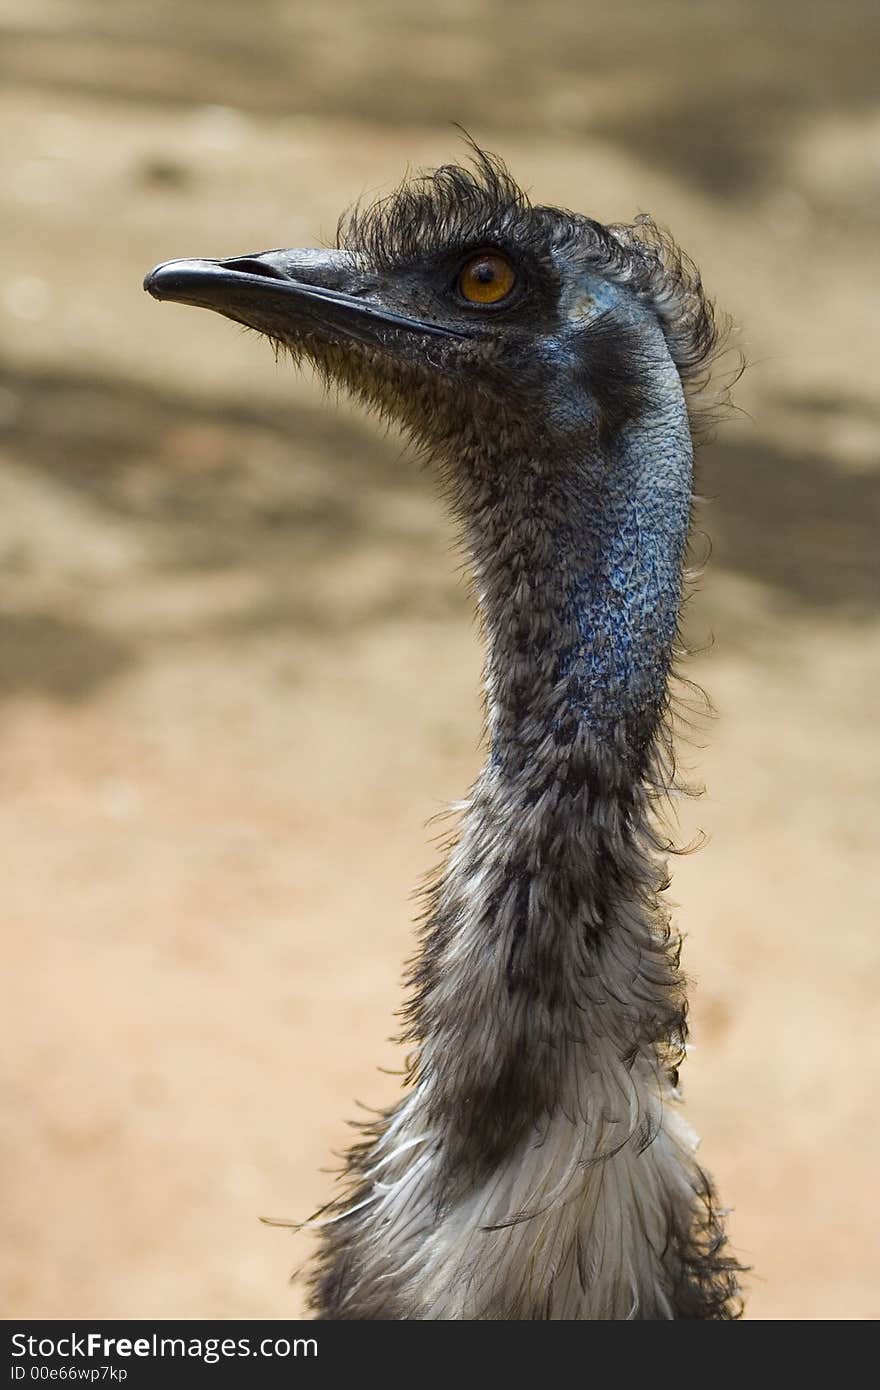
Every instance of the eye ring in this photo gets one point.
(486, 279)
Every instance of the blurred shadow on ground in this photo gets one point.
(287, 504)
(794, 523)
(712, 106)
(169, 461)
(226, 483)
(62, 659)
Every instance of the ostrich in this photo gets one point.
(537, 1165)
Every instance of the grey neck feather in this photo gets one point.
(577, 565)
(546, 1011)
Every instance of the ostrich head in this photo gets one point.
(545, 361)
(461, 310)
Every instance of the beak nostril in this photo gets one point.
(252, 265)
(301, 292)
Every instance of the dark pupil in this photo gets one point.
(485, 272)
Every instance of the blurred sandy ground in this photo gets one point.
(238, 673)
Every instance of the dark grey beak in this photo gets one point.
(288, 294)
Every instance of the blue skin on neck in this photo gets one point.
(619, 556)
(624, 607)
(624, 602)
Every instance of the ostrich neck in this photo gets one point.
(579, 581)
(546, 961)
(536, 1169)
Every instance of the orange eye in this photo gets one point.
(487, 278)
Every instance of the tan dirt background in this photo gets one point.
(239, 672)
